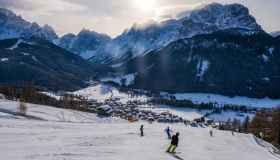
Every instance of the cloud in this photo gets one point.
(13, 4)
(175, 11)
(42, 7)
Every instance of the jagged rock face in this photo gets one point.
(13, 26)
(66, 41)
(217, 17)
(211, 18)
(84, 44)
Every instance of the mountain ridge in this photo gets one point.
(84, 44)
(140, 39)
(14, 26)
(43, 64)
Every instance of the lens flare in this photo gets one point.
(145, 5)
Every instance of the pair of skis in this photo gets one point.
(175, 155)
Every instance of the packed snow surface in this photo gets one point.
(48, 113)
(57, 139)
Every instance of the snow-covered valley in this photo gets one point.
(101, 92)
(82, 136)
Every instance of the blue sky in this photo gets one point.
(113, 16)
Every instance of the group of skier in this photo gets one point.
(174, 139)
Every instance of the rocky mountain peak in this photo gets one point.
(225, 16)
(213, 17)
(13, 26)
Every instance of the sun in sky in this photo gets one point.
(145, 5)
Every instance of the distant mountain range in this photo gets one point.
(29, 53)
(84, 44)
(220, 49)
(13, 26)
(216, 48)
(141, 39)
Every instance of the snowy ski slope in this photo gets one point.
(83, 136)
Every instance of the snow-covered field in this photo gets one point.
(220, 99)
(102, 92)
(82, 136)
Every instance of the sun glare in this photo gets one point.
(145, 5)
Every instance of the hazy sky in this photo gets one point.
(113, 16)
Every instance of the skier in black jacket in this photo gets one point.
(174, 143)
(142, 130)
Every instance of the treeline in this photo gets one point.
(30, 94)
(266, 125)
(236, 125)
(216, 108)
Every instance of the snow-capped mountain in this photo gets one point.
(84, 44)
(13, 26)
(146, 37)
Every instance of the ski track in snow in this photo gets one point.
(57, 139)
